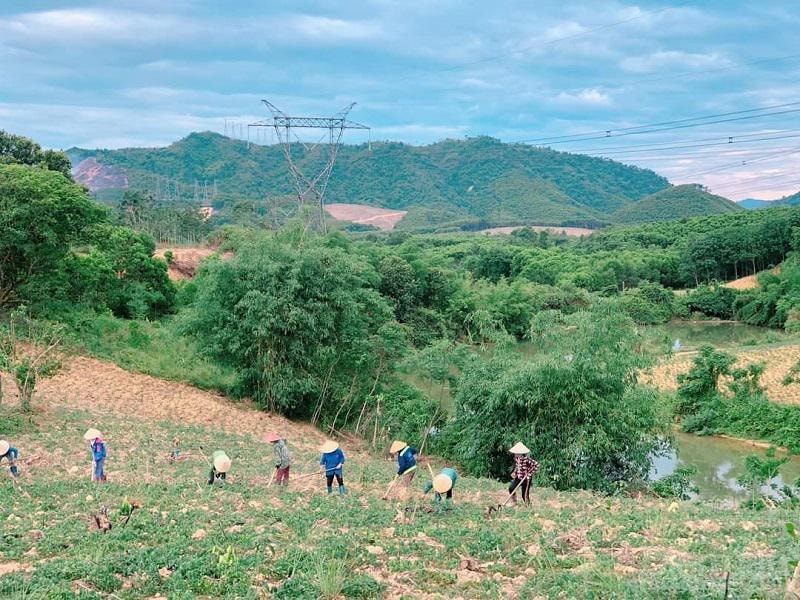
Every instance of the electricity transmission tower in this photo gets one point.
(310, 187)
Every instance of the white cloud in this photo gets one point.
(587, 97)
(658, 61)
(326, 29)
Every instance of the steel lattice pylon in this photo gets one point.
(310, 190)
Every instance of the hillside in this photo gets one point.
(248, 540)
(676, 202)
(478, 181)
(752, 203)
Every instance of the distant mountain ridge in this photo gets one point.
(754, 204)
(471, 183)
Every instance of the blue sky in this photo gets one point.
(124, 73)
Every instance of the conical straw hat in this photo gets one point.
(442, 483)
(92, 434)
(4, 446)
(396, 446)
(519, 448)
(329, 446)
(272, 437)
(222, 464)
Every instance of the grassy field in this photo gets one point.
(245, 540)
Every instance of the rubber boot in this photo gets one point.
(14, 470)
(342, 491)
(330, 490)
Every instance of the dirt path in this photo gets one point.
(103, 388)
(778, 362)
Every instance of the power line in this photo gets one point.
(780, 186)
(622, 131)
(658, 145)
(731, 141)
(740, 163)
(734, 184)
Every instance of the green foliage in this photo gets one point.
(678, 484)
(776, 301)
(676, 202)
(16, 149)
(700, 385)
(759, 474)
(60, 249)
(30, 351)
(711, 300)
(649, 303)
(302, 325)
(409, 414)
(576, 405)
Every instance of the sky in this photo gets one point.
(113, 74)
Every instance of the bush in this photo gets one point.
(712, 301)
(678, 484)
(576, 405)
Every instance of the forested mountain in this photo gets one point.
(472, 182)
(752, 203)
(678, 202)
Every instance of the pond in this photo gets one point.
(720, 334)
(719, 462)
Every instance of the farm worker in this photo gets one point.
(176, 449)
(406, 463)
(282, 456)
(443, 483)
(11, 454)
(98, 449)
(331, 464)
(524, 470)
(220, 465)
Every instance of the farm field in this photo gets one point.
(568, 231)
(778, 359)
(247, 540)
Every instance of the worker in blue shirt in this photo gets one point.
(98, 449)
(11, 454)
(443, 483)
(406, 461)
(331, 464)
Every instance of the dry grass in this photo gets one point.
(778, 362)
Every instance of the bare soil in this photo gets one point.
(187, 259)
(778, 362)
(382, 218)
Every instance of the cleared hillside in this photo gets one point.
(676, 202)
(481, 181)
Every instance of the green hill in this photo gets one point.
(676, 202)
(477, 181)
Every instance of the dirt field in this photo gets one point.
(186, 260)
(382, 218)
(747, 283)
(568, 231)
(778, 360)
(105, 389)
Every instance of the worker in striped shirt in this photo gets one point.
(524, 470)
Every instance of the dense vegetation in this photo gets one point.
(473, 183)
(680, 201)
(335, 328)
(61, 250)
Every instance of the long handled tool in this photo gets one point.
(391, 487)
(316, 473)
(274, 475)
(497, 507)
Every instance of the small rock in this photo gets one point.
(388, 532)
(165, 572)
(375, 550)
(533, 549)
(497, 576)
(37, 534)
(89, 498)
(199, 534)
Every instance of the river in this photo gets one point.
(719, 462)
